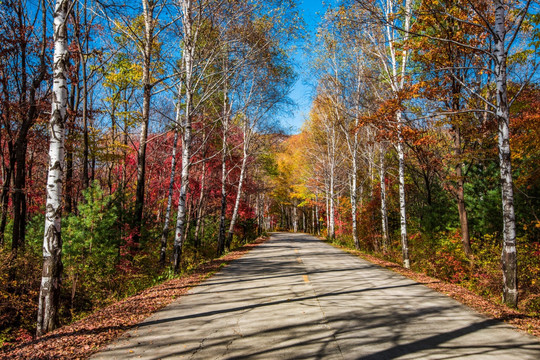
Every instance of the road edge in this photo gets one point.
(88, 336)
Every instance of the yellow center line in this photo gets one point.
(299, 260)
(296, 251)
(306, 279)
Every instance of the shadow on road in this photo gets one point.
(298, 298)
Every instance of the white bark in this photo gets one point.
(354, 203)
(221, 236)
(384, 211)
(295, 215)
(165, 232)
(52, 240)
(247, 137)
(327, 199)
(200, 209)
(224, 148)
(508, 256)
(331, 149)
(149, 23)
(189, 48)
(402, 207)
(353, 144)
(331, 212)
(317, 229)
(397, 81)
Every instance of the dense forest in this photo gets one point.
(157, 118)
(422, 141)
(139, 140)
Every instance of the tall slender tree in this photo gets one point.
(49, 295)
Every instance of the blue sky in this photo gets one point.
(311, 11)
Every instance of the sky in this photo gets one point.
(311, 10)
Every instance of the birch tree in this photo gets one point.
(52, 242)
(261, 91)
(391, 30)
(165, 231)
(503, 24)
(147, 51)
(384, 211)
(189, 39)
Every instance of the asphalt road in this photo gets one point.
(295, 297)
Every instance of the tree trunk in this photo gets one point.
(239, 191)
(223, 208)
(148, 14)
(69, 181)
(19, 191)
(402, 209)
(181, 216)
(188, 217)
(86, 140)
(460, 195)
(200, 209)
(331, 212)
(295, 215)
(354, 201)
(165, 232)
(317, 223)
(509, 255)
(189, 47)
(52, 242)
(384, 212)
(5, 192)
(258, 213)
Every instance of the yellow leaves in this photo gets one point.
(292, 170)
(123, 74)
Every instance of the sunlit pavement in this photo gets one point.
(295, 297)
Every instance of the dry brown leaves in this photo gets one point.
(485, 306)
(85, 337)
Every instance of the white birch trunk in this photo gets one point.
(200, 209)
(258, 213)
(402, 207)
(221, 236)
(186, 138)
(181, 216)
(223, 209)
(239, 191)
(332, 223)
(397, 78)
(52, 241)
(165, 232)
(384, 212)
(317, 229)
(327, 199)
(295, 215)
(354, 201)
(332, 159)
(509, 255)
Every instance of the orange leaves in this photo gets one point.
(525, 138)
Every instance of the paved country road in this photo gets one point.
(295, 297)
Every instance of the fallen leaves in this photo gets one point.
(85, 337)
(498, 311)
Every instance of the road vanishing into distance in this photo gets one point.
(295, 297)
